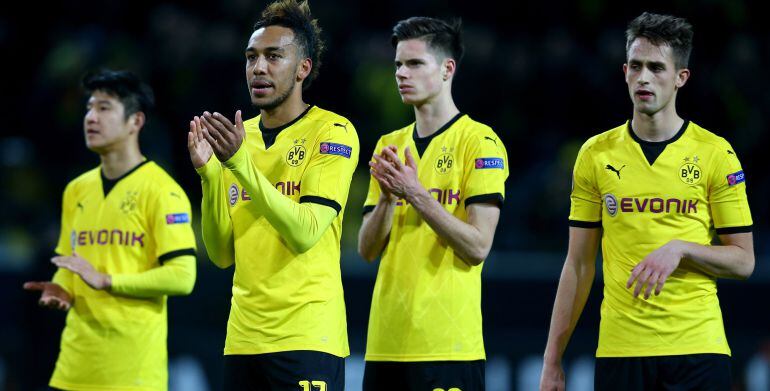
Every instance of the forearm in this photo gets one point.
(727, 261)
(375, 229)
(571, 296)
(215, 218)
(301, 225)
(465, 239)
(175, 277)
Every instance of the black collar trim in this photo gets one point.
(658, 143)
(269, 134)
(108, 184)
(422, 142)
(653, 149)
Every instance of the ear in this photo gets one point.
(449, 67)
(303, 71)
(625, 70)
(681, 77)
(137, 120)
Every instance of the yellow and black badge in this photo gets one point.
(690, 173)
(445, 161)
(128, 204)
(296, 154)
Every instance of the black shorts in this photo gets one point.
(424, 376)
(702, 372)
(301, 370)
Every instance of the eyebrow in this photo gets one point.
(252, 49)
(653, 63)
(98, 102)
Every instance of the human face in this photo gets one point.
(272, 66)
(105, 125)
(652, 76)
(419, 74)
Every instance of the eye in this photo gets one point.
(274, 56)
(250, 57)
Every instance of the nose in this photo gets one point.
(401, 73)
(91, 116)
(644, 76)
(260, 66)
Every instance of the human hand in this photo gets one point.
(52, 295)
(86, 271)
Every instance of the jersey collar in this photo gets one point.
(422, 142)
(269, 134)
(108, 184)
(653, 149)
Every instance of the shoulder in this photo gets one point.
(160, 181)
(84, 180)
(329, 119)
(607, 139)
(398, 136)
(704, 136)
(472, 129)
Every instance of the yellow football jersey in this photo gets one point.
(644, 194)
(282, 300)
(427, 301)
(123, 226)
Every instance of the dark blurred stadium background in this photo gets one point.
(545, 76)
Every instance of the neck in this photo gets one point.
(116, 163)
(660, 126)
(431, 116)
(286, 112)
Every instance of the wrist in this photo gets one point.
(416, 194)
(209, 169)
(236, 159)
(106, 282)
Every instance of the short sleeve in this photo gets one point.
(585, 199)
(171, 218)
(326, 180)
(486, 165)
(727, 194)
(373, 195)
(66, 236)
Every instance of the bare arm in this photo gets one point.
(471, 240)
(375, 229)
(575, 282)
(733, 259)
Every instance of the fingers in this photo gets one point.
(382, 164)
(53, 302)
(239, 123)
(66, 263)
(641, 281)
(34, 285)
(650, 284)
(661, 280)
(410, 159)
(392, 157)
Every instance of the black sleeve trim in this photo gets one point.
(493, 198)
(322, 201)
(734, 230)
(585, 224)
(176, 253)
(368, 208)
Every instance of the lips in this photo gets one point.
(644, 93)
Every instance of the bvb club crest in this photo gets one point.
(444, 163)
(690, 173)
(296, 155)
(128, 205)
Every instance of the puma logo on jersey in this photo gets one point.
(613, 169)
(729, 152)
(490, 139)
(80, 206)
(343, 126)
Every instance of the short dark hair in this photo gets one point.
(440, 35)
(134, 94)
(307, 33)
(663, 30)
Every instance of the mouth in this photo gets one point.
(90, 132)
(403, 88)
(260, 87)
(644, 94)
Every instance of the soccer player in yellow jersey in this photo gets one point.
(126, 243)
(274, 192)
(434, 201)
(667, 200)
